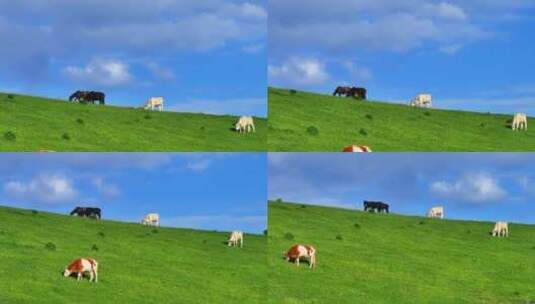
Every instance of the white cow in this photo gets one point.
(520, 122)
(297, 252)
(500, 229)
(422, 101)
(235, 238)
(154, 103)
(151, 219)
(437, 212)
(245, 124)
(81, 266)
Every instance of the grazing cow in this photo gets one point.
(520, 122)
(342, 91)
(422, 101)
(357, 148)
(376, 206)
(154, 103)
(500, 229)
(297, 252)
(87, 212)
(81, 266)
(245, 124)
(78, 96)
(151, 219)
(436, 212)
(359, 93)
(235, 238)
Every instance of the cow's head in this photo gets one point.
(66, 272)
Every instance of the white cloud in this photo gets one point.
(451, 49)
(105, 188)
(45, 188)
(475, 188)
(160, 72)
(298, 71)
(199, 165)
(107, 72)
(448, 11)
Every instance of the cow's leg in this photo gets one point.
(95, 275)
(91, 275)
(78, 276)
(297, 262)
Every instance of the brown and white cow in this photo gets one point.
(297, 252)
(151, 219)
(81, 266)
(235, 238)
(357, 148)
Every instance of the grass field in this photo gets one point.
(301, 121)
(136, 264)
(379, 258)
(46, 124)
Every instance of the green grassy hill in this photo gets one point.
(46, 124)
(378, 258)
(137, 264)
(340, 122)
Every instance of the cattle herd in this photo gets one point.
(89, 266)
(308, 252)
(423, 100)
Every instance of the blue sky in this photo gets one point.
(202, 56)
(214, 191)
(472, 55)
(472, 186)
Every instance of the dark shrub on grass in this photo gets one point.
(303, 206)
(421, 222)
(293, 92)
(66, 136)
(279, 200)
(147, 116)
(313, 131)
(34, 212)
(204, 241)
(363, 132)
(427, 113)
(289, 236)
(50, 246)
(9, 135)
(356, 225)
(101, 234)
(203, 128)
(482, 124)
(94, 247)
(339, 237)
(154, 231)
(80, 121)
(10, 96)
(369, 116)
(265, 232)
(468, 231)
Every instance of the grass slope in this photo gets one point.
(380, 258)
(40, 124)
(384, 126)
(136, 264)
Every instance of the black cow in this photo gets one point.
(95, 213)
(97, 96)
(376, 206)
(341, 91)
(359, 93)
(88, 97)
